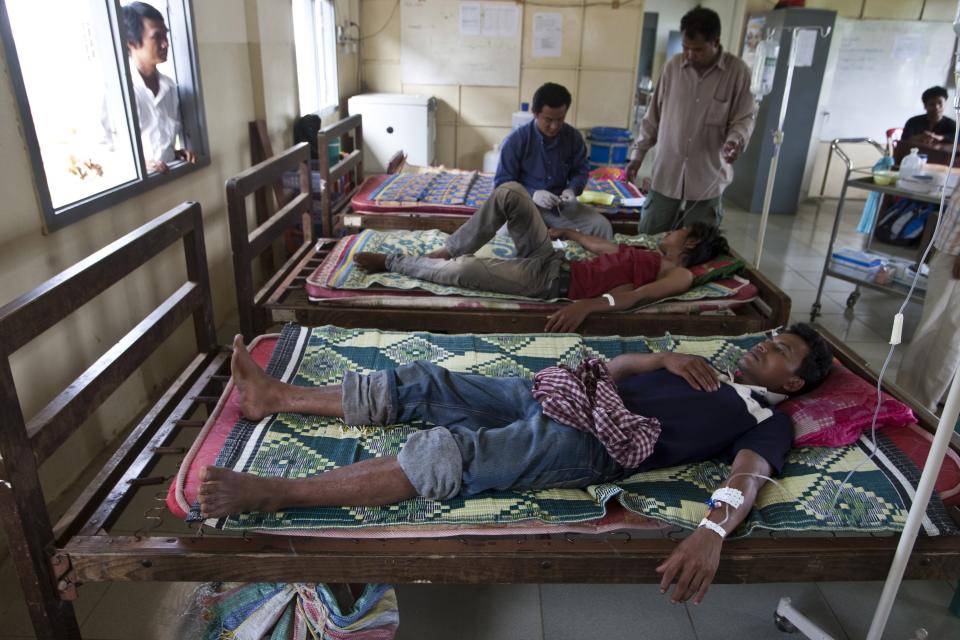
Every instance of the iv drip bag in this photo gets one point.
(764, 68)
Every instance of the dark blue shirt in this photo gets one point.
(528, 158)
(702, 425)
(916, 125)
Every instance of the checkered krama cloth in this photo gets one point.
(586, 399)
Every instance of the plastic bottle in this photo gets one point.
(522, 117)
(491, 159)
(910, 165)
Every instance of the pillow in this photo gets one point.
(840, 409)
(719, 267)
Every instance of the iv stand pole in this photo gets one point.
(931, 468)
(777, 143)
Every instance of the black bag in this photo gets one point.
(903, 223)
(305, 129)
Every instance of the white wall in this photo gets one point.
(598, 65)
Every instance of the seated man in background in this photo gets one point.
(158, 104)
(656, 410)
(549, 158)
(930, 131)
(621, 277)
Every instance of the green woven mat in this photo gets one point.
(349, 276)
(296, 446)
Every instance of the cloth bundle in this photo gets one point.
(586, 399)
(299, 611)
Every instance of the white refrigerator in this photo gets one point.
(396, 122)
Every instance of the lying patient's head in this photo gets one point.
(695, 243)
(794, 362)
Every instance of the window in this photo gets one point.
(71, 75)
(314, 34)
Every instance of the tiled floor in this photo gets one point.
(793, 257)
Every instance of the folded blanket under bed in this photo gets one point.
(876, 498)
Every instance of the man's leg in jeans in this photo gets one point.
(419, 391)
(223, 492)
(511, 204)
(580, 217)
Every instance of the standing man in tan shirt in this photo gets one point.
(701, 118)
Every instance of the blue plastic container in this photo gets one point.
(609, 146)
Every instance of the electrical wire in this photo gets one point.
(386, 24)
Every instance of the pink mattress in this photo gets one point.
(363, 203)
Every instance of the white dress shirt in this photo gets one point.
(159, 117)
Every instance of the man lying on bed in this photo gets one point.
(621, 277)
(652, 410)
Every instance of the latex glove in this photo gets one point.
(545, 200)
(567, 196)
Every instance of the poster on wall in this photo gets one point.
(751, 38)
(475, 43)
(547, 35)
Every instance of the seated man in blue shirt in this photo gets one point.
(549, 158)
(495, 435)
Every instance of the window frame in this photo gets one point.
(320, 64)
(193, 114)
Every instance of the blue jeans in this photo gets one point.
(493, 434)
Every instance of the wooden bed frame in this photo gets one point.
(85, 546)
(339, 219)
(284, 299)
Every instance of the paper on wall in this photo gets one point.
(547, 35)
(488, 19)
(471, 19)
(500, 20)
(806, 45)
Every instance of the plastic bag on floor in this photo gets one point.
(298, 611)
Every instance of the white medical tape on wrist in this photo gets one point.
(610, 299)
(728, 495)
(713, 526)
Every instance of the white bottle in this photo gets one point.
(910, 166)
(522, 117)
(491, 159)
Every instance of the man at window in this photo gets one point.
(158, 104)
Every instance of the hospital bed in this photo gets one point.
(361, 201)
(284, 297)
(115, 530)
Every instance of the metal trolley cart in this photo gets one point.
(862, 178)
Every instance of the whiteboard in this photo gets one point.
(475, 43)
(880, 68)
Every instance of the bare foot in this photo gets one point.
(259, 393)
(224, 492)
(371, 262)
(440, 254)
